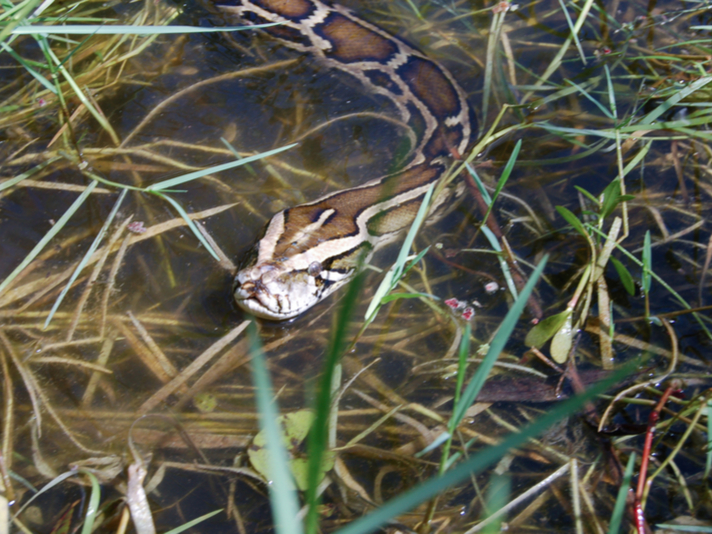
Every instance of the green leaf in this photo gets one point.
(294, 427)
(624, 275)
(611, 197)
(545, 329)
(572, 220)
(562, 341)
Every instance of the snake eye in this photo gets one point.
(314, 268)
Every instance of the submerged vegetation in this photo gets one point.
(544, 371)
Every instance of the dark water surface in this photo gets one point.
(168, 301)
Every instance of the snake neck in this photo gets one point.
(310, 250)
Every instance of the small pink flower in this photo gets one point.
(468, 313)
(137, 227)
(453, 303)
(501, 7)
(491, 287)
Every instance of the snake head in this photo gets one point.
(277, 292)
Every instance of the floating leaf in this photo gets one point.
(562, 342)
(295, 427)
(545, 329)
(625, 276)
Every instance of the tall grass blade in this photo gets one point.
(708, 462)
(619, 508)
(675, 99)
(167, 184)
(497, 345)
(189, 222)
(317, 441)
(394, 274)
(282, 492)
(95, 244)
(49, 235)
(494, 243)
(574, 33)
(478, 462)
(93, 506)
(17, 179)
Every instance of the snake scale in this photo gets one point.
(309, 251)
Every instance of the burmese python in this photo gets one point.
(310, 250)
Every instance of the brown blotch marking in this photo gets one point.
(348, 205)
(287, 8)
(353, 42)
(431, 86)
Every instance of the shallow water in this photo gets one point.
(167, 301)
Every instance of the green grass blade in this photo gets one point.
(317, 440)
(478, 462)
(120, 29)
(462, 356)
(574, 33)
(619, 508)
(52, 483)
(194, 522)
(166, 184)
(189, 222)
(95, 244)
(394, 274)
(494, 243)
(93, 506)
(282, 492)
(22, 11)
(611, 92)
(708, 462)
(647, 263)
(49, 235)
(480, 185)
(17, 179)
(593, 100)
(36, 75)
(675, 99)
(497, 345)
(410, 237)
(502, 179)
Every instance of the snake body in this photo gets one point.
(309, 251)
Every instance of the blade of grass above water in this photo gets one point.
(282, 492)
(497, 345)
(317, 440)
